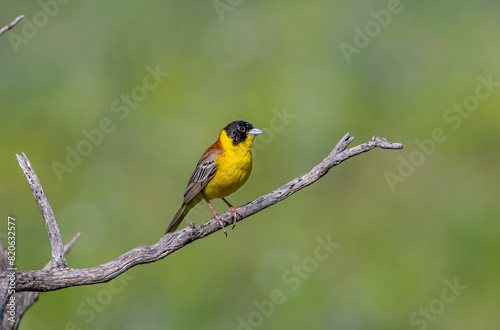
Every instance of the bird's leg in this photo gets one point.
(233, 211)
(216, 216)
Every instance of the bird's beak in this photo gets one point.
(255, 131)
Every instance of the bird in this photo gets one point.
(222, 169)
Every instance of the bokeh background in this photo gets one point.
(280, 66)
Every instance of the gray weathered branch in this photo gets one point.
(24, 300)
(11, 25)
(58, 257)
(58, 277)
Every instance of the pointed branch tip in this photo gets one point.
(11, 25)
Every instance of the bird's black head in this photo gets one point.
(239, 130)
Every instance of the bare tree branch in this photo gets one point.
(59, 276)
(58, 257)
(24, 300)
(11, 25)
(5, 293)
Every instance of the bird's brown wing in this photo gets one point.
(203, 173)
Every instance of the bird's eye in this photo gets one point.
(241, 128)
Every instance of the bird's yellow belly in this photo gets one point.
(232, 172)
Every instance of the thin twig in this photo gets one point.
(58, 257)
(55, 279)
(11, 25)
(69, 245)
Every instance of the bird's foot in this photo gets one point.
(235, 214)
(219, 220)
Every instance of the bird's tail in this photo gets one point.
(178, 217)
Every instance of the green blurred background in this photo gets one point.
(280, 66)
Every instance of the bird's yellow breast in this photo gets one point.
(234, 166)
